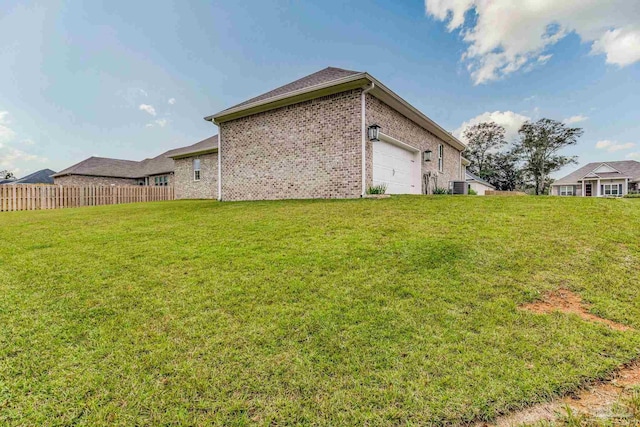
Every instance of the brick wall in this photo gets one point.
(306, 150)
(206, 188)
(84, 180)
(396, 125)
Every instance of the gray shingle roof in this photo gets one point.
(104, 166)
(628, 168)
(323, 76)
(43, 176)
(472, 177)
(199, 147)
(162, 164)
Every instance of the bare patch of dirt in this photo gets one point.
(566, 301)
(597, 401)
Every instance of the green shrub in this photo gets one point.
(472, 192)
(632, 196)
(440, 190)
(377, 189)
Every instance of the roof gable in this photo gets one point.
(604, 168)
(328, 82)
(329, 74)
(43, 176)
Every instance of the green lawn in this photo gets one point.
(400, 311)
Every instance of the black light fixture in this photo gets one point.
(427, 156)
(374, 133)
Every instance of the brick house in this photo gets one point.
(191, 170)
(332, 134)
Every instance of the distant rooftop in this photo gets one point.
(625, 168)
(117, 168)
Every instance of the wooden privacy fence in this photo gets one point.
(504, 193)
(33, 197)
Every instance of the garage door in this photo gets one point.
(396, 167)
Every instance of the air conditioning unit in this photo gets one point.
(459, 187)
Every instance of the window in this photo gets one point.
(161, 180)
(196, 169)
(612, 189)
(566, 190)
(440, 157)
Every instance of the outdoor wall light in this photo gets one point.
(374, 133)
(427, 156)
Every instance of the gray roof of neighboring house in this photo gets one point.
(472, 177)
(204, 146)
(627, 168)
(43, 176)
(116, 168)
(323, 76)
(104, 166)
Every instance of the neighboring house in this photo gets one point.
(43, 176)
(478, 184)
(610, 179)
(158, 171)
(332, 134)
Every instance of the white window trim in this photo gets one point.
(608, 190)
(566, 190)
(197, 170)
(440, 158)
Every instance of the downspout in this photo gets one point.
(219, 161)
(364, 138)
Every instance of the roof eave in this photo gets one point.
(193, 153)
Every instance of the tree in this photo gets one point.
(538, 147)
(5, 174)
(482, 140)
(506, 174)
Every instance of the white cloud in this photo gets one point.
(6, 133)
(508, 119)
(160, 122)
(575, 119)
(504, 36)
(622, 46)
(171, 101)
(612, 146)
(12, 159)
(148, 108)
(634, 156)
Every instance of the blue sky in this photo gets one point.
(133, 79)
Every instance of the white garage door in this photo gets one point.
(396, 167)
